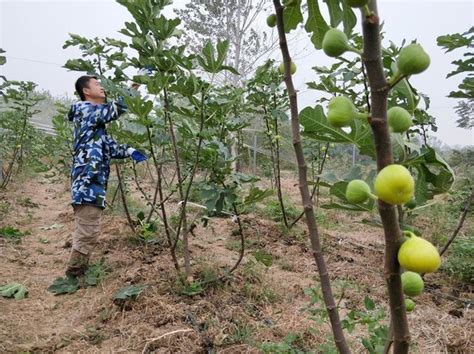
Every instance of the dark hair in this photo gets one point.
(82, 83)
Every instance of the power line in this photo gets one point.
(34, 60)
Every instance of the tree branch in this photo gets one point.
(328, 297)
(469, 202)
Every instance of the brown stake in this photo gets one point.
(331, 307)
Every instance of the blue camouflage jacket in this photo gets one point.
(93, 148)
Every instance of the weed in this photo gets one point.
(12, 234)
(273, 210)
(287, 265)
(260, 293)
(253, 272)
(241, 334)
(371, 317)
(291, 344)
(26, 202)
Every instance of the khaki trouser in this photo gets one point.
(87, 229)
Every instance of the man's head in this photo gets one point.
(89, 89)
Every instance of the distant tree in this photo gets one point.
(465, 111)
(240, 22)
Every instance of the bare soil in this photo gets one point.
(258, 304)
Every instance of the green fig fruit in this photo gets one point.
(399, 119)
(292, 68)
(412, 284)
(335, 42)
(418, 255)
(394, 185)
(411, 204)
(272, 20)
(341, 112)
(413, 60)
(357, 191)
(409, 305)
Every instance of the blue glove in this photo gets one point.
(147, 70)
(121, 103)
(137, 156)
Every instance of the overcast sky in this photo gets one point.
(33, 33)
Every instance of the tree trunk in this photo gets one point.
(379, 88)
(331, 307)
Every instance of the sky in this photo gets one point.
(34, 31)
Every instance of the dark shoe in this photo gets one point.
(77, 265)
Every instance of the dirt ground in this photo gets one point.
(259, 304)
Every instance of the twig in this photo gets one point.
(164, 335)
(389, 342)
(124, 198)
(460, 223)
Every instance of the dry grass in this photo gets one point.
(259, 304)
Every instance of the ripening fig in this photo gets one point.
(357, 3)
(418, 255)
(399, 119)
(292, 68)
(358, 191)
(394, 185)
(341, 112)
(271, 20)
(412, 60)
(335, 43)
(412, 284)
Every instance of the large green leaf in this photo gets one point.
(316, 24)
(14, 290)
(212, 61)
(434, 175)
(80, 65)
(256, 195)
(349, 19)
(66, 285)
(317, 127)
(127, 292)
(335, 12)
(292, 16)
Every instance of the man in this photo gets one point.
(93, 149)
